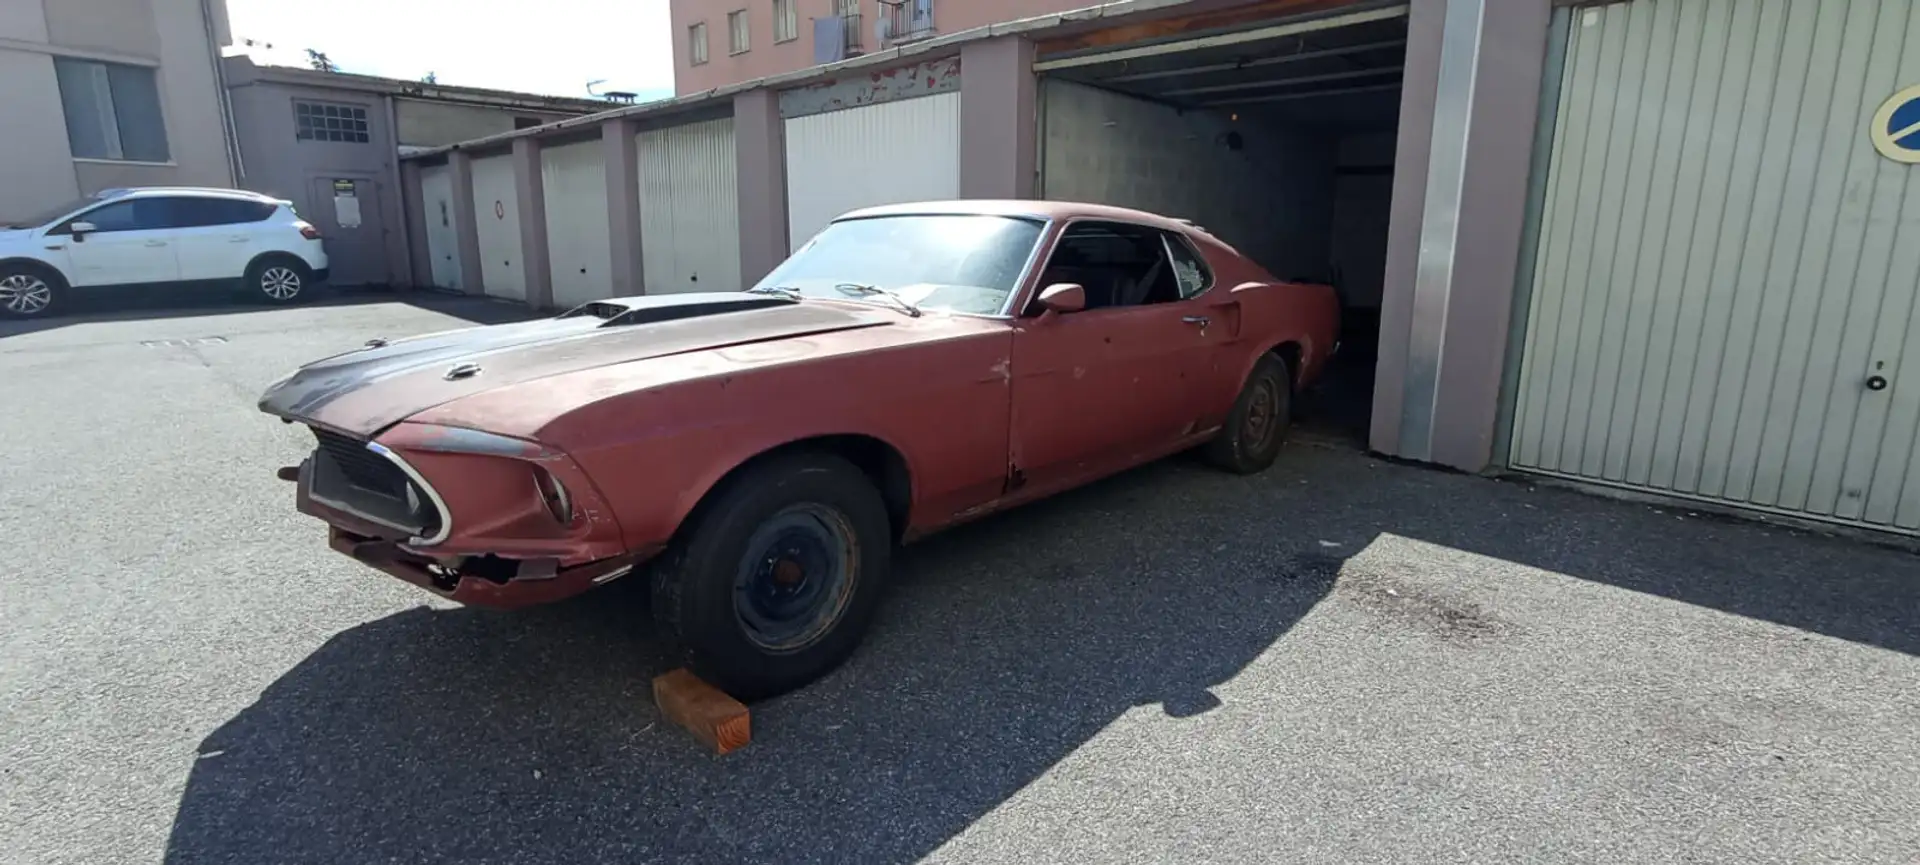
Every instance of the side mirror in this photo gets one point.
(1063, 297)
(79, 230)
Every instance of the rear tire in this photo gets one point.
(280, 279)
(27, 291)
(1255, 430)
(777, 579)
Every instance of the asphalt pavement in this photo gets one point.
(1340, 660)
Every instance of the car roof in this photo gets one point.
(193, 191)
(1021, 208)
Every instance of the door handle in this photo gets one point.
(1201, 320)
(156, 243)
(239, 239)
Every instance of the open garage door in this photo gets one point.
(1723, 297)
(1277, 137)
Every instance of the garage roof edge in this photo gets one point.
(939, 46)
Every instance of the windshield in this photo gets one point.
(46, 216)
(958, 263)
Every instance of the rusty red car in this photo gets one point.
(758, 454)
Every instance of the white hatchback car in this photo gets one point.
(160, 236)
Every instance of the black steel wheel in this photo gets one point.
(1255, 430)
(775, 580)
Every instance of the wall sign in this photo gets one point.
(346, 204)
(1896, 127)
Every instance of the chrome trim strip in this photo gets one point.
(446, 518)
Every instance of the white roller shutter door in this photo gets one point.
(1723, 299)
(574, 178)
(889, 153)
(690, 208)
(442, 224)
(496, 215)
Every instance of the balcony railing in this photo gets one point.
(903, 21)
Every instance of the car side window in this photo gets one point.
(224, 211)
(1189, 269)
(1117, 263)
(118, 216)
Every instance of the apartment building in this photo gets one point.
(722, 42)
(107, 93)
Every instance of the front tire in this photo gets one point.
(777, 579)
(1255, 430)
(27, 291)
(280, 280)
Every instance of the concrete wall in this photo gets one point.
(37, 168)
(279, 163)
(436, 124)
(1467, 116)
(1272, 199)
(764, 57)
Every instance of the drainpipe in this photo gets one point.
(229, 135)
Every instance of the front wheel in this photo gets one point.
(26, 291)
(279, 280)
(1250, 440)
(776, 581)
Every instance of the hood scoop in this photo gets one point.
(625, 311)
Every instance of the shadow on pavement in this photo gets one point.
(479, 737)
(1005, 646)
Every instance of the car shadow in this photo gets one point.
(462, 735)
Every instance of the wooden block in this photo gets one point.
(704, 710)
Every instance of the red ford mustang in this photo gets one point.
(758, 454)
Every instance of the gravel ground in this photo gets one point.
(1337, 661)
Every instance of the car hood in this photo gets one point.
(364, 391)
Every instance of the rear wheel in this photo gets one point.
(27, 291)
(1254, 431)
(280, 279)
(777, 579)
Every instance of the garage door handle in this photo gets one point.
(1878, 382)
(1201, 320)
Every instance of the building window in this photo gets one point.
(697, 44)
(786, 23)
(738, 38)
(112, 111)
(325, 121)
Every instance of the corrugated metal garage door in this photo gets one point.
(892, 152)
(443, 238)
(1726, 267)
(579, 242)
(496, 216)
(690, 208)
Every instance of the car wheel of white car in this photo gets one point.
(278, 280)
(26, 292)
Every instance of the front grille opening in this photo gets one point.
(349, 476)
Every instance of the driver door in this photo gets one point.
(1115, 384)
(132, 242)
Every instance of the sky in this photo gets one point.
(552, 47)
